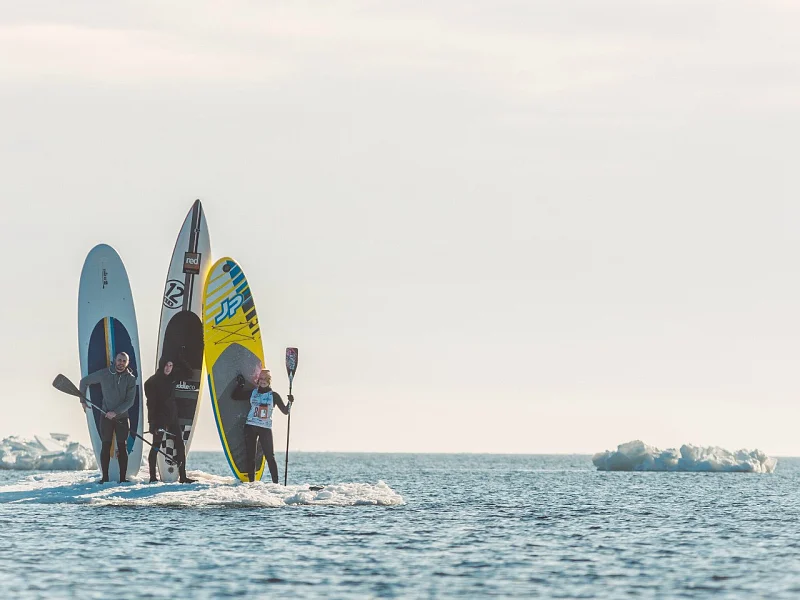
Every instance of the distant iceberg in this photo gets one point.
(53, 453)
(638, 456)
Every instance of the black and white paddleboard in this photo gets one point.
(180, 332)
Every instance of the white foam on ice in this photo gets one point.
(638, 456)
(54, 453)
(209, 491)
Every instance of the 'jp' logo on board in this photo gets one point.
(228, 308)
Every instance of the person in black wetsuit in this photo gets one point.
(259, 420)
(118, 385)
(162, 412)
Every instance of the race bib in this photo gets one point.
(262, 412)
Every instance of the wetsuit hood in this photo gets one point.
(163, 363)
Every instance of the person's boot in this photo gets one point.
(151, 462)
(184, 478)
(105, 459)
(123, 466)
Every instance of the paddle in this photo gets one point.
(63, 384)
(291, 367)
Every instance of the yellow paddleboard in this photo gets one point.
(232, 340)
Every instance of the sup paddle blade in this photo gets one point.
(62, 384)
(291, 362)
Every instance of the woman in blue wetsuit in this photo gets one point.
(259, 420)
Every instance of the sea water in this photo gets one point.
(405, 526)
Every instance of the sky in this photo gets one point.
(493, 226)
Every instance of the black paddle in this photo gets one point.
(63, 384)
(291, 367)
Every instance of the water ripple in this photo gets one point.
(463, 527)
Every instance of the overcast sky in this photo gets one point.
(495, 226)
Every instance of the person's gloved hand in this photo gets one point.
(291, 398)
(240, 380)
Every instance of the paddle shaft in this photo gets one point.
(291, 367)
(288, 429)
(104, 413)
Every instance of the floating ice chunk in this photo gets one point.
(45, 454)
(638, 456)
(50, 444)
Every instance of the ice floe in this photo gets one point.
(43, 453)
(638, 456)
(209, 491)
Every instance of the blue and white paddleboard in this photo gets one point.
(107, 326)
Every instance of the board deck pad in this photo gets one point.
(232, 347)
(180, 332)
(184, 329)
(107, 326)
(235, 359)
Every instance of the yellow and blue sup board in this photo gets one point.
(232, 345)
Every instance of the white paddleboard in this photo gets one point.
(181, 325)
(107, 326)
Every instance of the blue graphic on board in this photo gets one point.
(243, 298)
(228, 308)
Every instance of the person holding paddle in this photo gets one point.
(258, 427)
(118, 386)
(162, 412)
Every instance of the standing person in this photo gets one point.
(162, 412)
(118, 385)
(259, 420)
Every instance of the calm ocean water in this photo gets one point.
(442, 526)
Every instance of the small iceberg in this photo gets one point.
(45, 453)
(638, 456)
